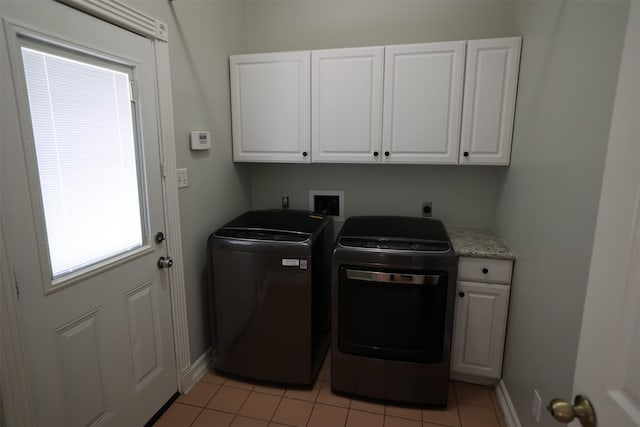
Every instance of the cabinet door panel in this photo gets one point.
(480, 323)
(270, 101)
(491, 80)
(346, 86)
(423, 102)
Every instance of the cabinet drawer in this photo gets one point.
(485, 270)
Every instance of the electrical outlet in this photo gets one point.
(183, 181)
(536, 404)
(427, 209)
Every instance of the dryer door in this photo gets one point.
(391, 314)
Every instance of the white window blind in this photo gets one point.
(86, 154)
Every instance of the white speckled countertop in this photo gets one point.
(479, 243)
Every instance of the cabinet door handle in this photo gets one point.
(461, 294)
(386, 153)
(485, 270)
(304, 154)
(466, 154)
(375, 154)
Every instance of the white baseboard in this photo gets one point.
(504, 400)
(197, 369)
(473, 379)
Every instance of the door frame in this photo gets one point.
(12, 357)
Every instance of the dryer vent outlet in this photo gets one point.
(427, 209)
(327, 203)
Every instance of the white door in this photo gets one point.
(346, 105)
(81, 189)
(422, 102)
(608, 363)
(271, 107)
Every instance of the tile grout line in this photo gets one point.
(455, 392)
(237, 414)
(197, 416)
(273, 414)
(315, 402)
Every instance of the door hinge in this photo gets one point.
(134, 91)
(15, 279)
(163, 170)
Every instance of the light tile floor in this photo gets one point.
(217, 401)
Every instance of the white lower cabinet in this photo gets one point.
(480, 319)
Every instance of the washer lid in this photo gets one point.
(269, 224)
(398, 229)
(263, 234)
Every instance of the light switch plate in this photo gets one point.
(183, 180)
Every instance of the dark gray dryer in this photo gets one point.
(271, 282)
(393, 288)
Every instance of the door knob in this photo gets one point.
(159, 237)
(562, 411)
(165, 262)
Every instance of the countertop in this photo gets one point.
(476, 242)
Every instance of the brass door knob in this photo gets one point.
(564, 412)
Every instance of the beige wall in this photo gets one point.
(549, 200)
(274, 25)
(202, 35)
(544, 204)
(459, 195)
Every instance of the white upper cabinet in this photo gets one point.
(346, 105)
(423, 102)
(491, 81)
(327, 105)
(270, 103)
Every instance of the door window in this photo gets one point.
(84, 133)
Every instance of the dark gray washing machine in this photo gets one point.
(271, 283)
